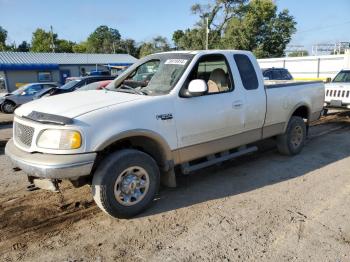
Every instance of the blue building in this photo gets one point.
(18, 68)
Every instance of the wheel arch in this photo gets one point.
(146, 141)
(302, 110)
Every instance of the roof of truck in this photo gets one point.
(195, 52)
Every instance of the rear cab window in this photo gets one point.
(246, 71)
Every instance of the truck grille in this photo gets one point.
(337, 93)
(23, 134)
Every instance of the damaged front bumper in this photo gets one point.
(50, 166)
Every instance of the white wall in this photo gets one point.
(310, 66)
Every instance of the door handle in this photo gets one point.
(237, 104)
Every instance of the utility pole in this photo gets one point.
(52, 40)
(206, 33)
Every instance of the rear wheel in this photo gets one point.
(293, 140)
(125, 183)
(8, 107)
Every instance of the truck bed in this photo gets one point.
(283, 97)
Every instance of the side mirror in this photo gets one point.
(197, 87)
(328, 80)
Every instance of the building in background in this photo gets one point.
(17, 68)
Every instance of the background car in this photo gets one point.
(276, 74)
(95, 86)
(9, 102)
(72, 85)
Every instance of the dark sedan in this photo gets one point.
(73, 85)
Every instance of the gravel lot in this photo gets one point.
(262, 207)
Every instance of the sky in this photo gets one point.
(318, 21)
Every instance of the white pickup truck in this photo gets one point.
(176, 109)
(338, 91)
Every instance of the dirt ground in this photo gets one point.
(262, 207)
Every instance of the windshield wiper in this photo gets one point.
(129, 88)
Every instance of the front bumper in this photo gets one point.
(49, 165)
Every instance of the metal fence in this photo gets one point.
(310, 67)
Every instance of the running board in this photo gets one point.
(212, 160)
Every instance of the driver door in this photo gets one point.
(205, 122)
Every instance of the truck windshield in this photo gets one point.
(154, 75)
(342, 77)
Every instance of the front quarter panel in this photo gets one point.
(103, 126)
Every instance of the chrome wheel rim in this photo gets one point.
(297, 136)
(131, 186)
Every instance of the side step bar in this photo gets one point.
(212, 160)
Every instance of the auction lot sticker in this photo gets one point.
(176, 62)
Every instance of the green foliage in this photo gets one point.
(64, 46)
(239, 24)
(42, 41)
(158, 44)
(128, 46)
(3, 37)
(103, 40)
(80, 48)
(23, 47)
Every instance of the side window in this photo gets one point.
(214, 70)
(285, 75)
(268, 74)
(247, 72)
(33, 89)
(276, 75)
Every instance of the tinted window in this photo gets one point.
(33, 89)
(247, 72)
(342, 77)
(268, 74)
(285, 75)
(276, 75)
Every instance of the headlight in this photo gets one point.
(59, 139)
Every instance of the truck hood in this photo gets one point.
(74, 104)
(337, 85)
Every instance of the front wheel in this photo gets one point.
(8, 107)
(293, 140)
(125, 183)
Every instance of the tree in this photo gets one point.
(103, 40)
(80, 48)
(158, 44)
(298, 53)
(128, 46)
(23, 47)
(64, 46)
(260, 30)
(3, 37)
(239, 24)
(212, 16)
(42, 41)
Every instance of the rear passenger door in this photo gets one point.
(254, 92)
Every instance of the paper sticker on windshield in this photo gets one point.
(176, 62)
